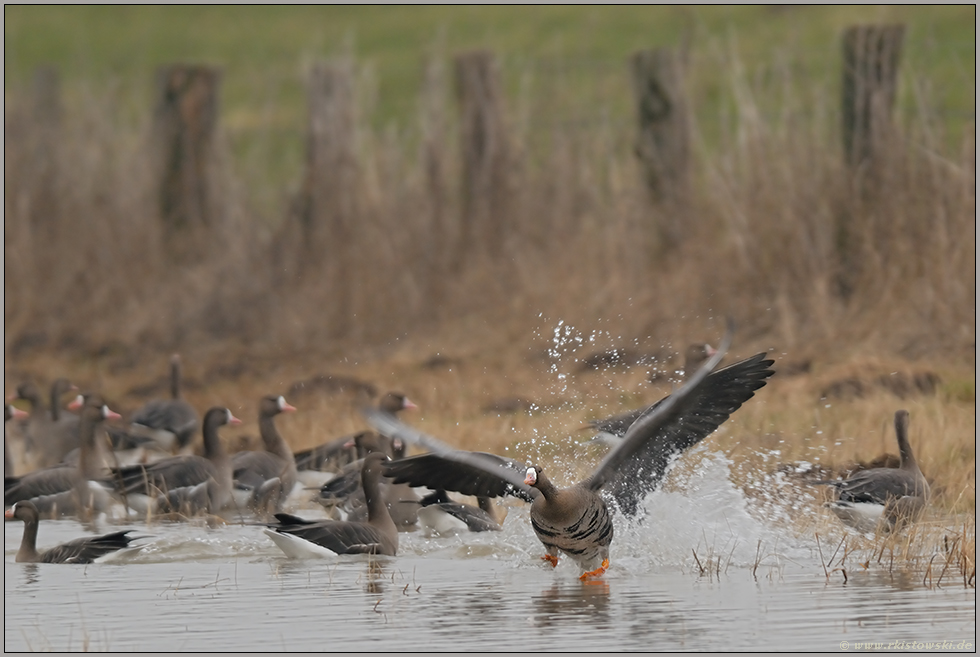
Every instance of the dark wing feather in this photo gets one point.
(173, 415)
(637, 465)
(161, 476)
(341, 537)
(877, 485)
(49, 481)
(470, 473)
(86, 550)
(343, 485)
(252, 469)
(476, 519)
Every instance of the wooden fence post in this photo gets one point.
(439, 241)
(870, 80)
(185, 122)
(485, 153)
(328, 207)
(328, 193)
(664, 134)
(46, 113)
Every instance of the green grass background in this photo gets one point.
(263, 49)
(559, 63)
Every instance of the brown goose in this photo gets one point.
(264, 479)
(10, 413)
(188, 483)
(300, 538)
(337, 453)
(345, 493)
(886, 498)
(79, 550)
(50, 434)
(59, 388)
(172, 422)
(67, 489)
(576, 520)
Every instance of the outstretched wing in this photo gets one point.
(471, 473)
(637, 465)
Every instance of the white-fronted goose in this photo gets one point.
(79, 550)
(576, 520)
(264, 479)
(883, 498)
(301, 538)
(441, 516)
(10, 412)
(67, 489)
(334, 455)
(346, 493)
(187, 484)
(59, 388)
(172, 422)
(50, 434)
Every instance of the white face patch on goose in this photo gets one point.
(531, 477)
(281, 402)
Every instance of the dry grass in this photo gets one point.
(841, 275)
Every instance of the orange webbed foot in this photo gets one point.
(552, 559)
(597, 572)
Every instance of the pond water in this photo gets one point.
(228, 587)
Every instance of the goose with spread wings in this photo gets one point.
(576, 520)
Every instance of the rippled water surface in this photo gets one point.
(195, 588)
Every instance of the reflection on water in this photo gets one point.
(228, 587)
(571, 602)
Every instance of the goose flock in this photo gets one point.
(87, 462)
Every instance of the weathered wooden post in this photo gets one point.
(435, 164)
(328, 208)
(662, 144)
(871, 55)
(46, 113)
(485, 153)
(185, 123)
(870, 80)
(328, 192)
